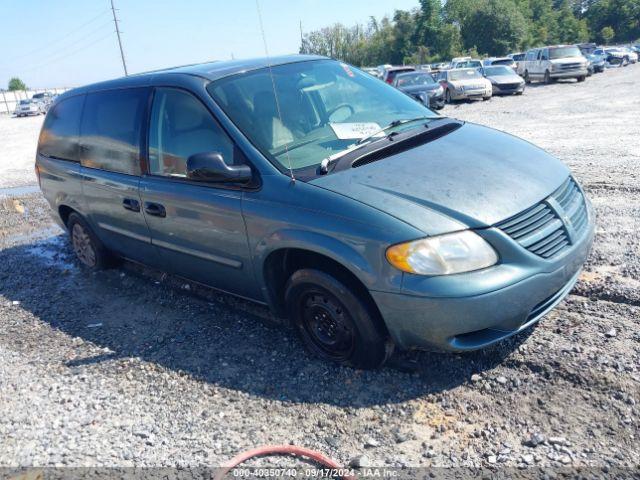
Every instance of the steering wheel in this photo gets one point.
(335, 109)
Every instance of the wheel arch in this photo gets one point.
(277, 266)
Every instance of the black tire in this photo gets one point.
(89, 250)
(447, 97)
(581, 79)
(527, 78)
(333, 322)
(547, 77)
(484, 99)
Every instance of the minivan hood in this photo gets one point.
(473, 177)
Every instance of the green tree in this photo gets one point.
(16, 84)
(607, 34)
(496, 28)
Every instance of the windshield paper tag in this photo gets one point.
(346, 131)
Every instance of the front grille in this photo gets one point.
(570, 66)
(551, 226)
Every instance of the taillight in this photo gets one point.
(37, 169)
(389, 81)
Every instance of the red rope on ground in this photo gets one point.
(278, 450)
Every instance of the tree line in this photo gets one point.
(438, 31)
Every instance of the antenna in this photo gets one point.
(115, 20)
(273, 84)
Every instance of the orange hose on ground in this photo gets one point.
(278, 450)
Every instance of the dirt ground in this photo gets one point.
(130, 367)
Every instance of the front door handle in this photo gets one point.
(131, 204)
(155, 209)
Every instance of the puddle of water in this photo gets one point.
(17, 191)
(50, 251)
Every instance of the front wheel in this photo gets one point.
(527, 79)
(334, 323)
(447, 97)
(484, 99)
(581, 79)
(547, 77)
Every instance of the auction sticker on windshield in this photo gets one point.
(345, 131)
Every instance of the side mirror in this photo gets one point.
(210, 167)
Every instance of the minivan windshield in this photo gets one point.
(322, 108)
(563, 52)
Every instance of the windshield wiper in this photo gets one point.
(324, 165)
(394, 124)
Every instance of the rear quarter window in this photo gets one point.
(59, 134)
(111, 130)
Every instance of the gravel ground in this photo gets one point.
(130, 367)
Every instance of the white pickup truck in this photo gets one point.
(553, 62)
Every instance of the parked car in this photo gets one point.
(586, 48)
(45, 98)
(422, 87)
(464, 84)
(27, 107)
(391, 72)
(517, 58)
(630, 55)
(468, 63)
(504, 81)
(506, 61)
(371, 71)
(437, 67)
(452, 236)
(551, 63)
(596, 63)
(613, 56)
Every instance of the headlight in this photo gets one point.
(443, 255)
(439, 90)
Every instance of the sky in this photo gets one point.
(73, 42)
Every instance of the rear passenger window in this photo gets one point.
(180, 127)
(111, 129)
(59, 134)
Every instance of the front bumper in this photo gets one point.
(507, 90)
(470, 94)
(436, 101)
(490, 305)
(575, 73)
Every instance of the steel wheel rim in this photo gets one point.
(83, 246)
(327, 325)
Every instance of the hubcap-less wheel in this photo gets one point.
(83, 246)
(327, 325)
(447, 97)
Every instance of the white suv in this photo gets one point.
(550, 63)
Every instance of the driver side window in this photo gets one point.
(181, 126)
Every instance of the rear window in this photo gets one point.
(111, 130)
(59, 134)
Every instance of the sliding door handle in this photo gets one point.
(155, 209)
(131, 204)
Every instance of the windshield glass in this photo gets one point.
(465, 74)
(562, 52)
(469, 64)
(498, 70)
(321, 108)
(502, 61)
(414, 79)
(25, 102)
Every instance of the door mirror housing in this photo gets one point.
(210, 167)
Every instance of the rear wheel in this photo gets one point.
(333, 322)
(87, 247)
